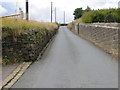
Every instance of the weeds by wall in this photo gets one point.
(23, 41)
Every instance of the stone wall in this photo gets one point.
(103, 35)
(25, 47)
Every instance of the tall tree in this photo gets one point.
(78, 13)
(88, 9)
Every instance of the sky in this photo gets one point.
(40, 9)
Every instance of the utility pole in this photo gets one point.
(119, 4)
(51, 10)
(27, 10)
(64, 17)
(16, 7)
(55, 15)
(21, 13)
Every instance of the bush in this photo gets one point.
(86, 18)
(97, 17)
(100, 15)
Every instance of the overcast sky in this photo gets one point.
(40, 9)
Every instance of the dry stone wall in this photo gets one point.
(102, 35)
(26, 47)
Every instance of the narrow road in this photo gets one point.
(71, 62)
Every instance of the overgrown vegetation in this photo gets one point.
(18, 26)
(76, 21)
(23, 40)
(93, 16)
(69, 26)
(100, 15)
(79, 12)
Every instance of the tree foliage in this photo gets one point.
(87, 9)
(100, 15)
(78, 13)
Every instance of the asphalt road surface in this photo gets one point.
(71, 62)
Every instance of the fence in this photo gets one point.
(105, 37)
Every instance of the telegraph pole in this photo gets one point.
(16, 7)
(55, 15)
(27, 10)
(51, 10)
(64, 17)
(119, 4)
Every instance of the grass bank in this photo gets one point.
(21, 26)
(23, 40)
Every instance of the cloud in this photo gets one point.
(2, 10)
(40, 14)
(40, 9)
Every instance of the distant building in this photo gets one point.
(119, 4)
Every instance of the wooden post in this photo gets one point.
(64, 18)
(78, 28)
(72, 25)
(55, 15)
(27, 10)
(51, 10)
(21, 13)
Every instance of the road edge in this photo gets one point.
(21, 69)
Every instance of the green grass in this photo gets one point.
(78, 20)
(18, 26)
(69, 26)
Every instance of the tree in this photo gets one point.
(88, 9)
(78, 13)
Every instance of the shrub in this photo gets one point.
(97, 17)
(100, 15)
(86, 18)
